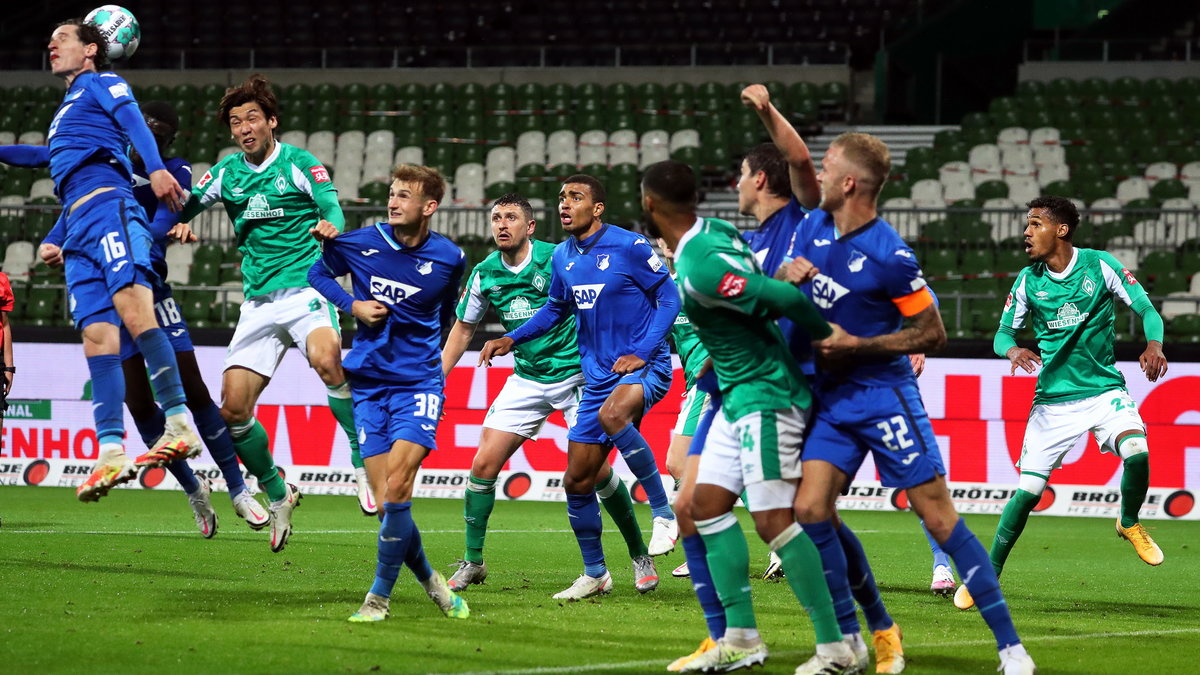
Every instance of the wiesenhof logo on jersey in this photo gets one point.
(519, 309)
(586, 295)
(1068, 315)
(826, 291)
(259, 208)
(392, 292)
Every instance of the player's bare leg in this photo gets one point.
(495, 448)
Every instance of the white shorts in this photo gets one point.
(760, 453)
(522, 406)
(695, 402)
(271, 323)
(1054, 428)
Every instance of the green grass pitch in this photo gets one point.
(128, 586)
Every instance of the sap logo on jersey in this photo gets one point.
(826, 291)
(586, 294)
(393, 292)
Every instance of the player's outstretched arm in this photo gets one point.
(924, 334)
(801, 169)
(456, 343)
(493, 348)
(25, 156)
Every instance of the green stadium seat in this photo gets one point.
(297, 94)
(1170, 188)
(1031, 119)
(973, 136)
(1027, 88)
(1172, 281)
(1060, 188)
(920, 154)
(951, 153)
(978, 261)
(992, 189)
(204, 273)
(208, 253)
(1097, 188)
(1159, 261)
(939, 261)
(498, 189)
(894, 188)
(1185, 327)
(946, 137)
(1011, 259)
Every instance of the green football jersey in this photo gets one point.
(517, 293)
(1073, 320)
(692, 354)
(754, 368)
(272, 207)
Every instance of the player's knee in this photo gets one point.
(769, 524)
(1031, 484)
(612, 419)
(1132, 446)
(578, 485)
(811, 510)
(486, 467)
(234, 416)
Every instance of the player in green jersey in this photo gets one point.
(515, 281)
(755, 440)
(274, 193)
(692, 357)
(1068, 295)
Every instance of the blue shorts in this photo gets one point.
(170, 319)
(107, 249)
(714, 409)
(889, 422)
(386, 413)
(655, 378)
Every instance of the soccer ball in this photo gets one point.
(120, 30)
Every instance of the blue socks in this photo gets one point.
(939, 556)
(108, 397)
(695, 552)
(164, 371)
(584, 513)
(977, 574)
(397, 536)
(415, 558)
(215, 435)
(640, 460)
(833, 559)
(862, 581)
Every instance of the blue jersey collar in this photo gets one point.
(385, 231)
(586, 244)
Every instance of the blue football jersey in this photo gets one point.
(161, 220)
(771, 239)
(861, 277)
(609, 282)
(84, 132)
(770, 243)
(419, 287)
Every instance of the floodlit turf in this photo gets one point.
(128, 585)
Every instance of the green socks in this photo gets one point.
(1012, 522)
(806, 576)
(729, 562)
(250, 442)
(342, 407)
(614, 495)
(1134, 484)
(478, 501)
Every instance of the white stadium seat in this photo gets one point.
(531, 148)
(1177, 303)
(1048, 154)
(1044, 136)
(1150, 233)
(469, 181)
(412, 154)
(623, 147)
(1022, 189)
(500, 166)
(985, 157)
(1160, 171)
(927, 192)
(1053, 172)
(906, 222)
(1016, 156)
(1190, 174)
(958, 188)
(593, 147)
(685, 138)
(1107, 210)
(1012, 136)
(561, 148)
(18, 258)
(294, 138)
(42, 187)
(1133, 188)
(951, 171)
(32, 138)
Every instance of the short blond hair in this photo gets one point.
(869, 154)
(433, 184)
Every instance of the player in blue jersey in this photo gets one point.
(405, 280)
(624, 304)
(106, 247)
(863, 277)
(139, 398)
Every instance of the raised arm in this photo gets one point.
(801, 169)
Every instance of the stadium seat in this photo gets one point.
(1158, 171)
(928, 194)
(1011, 136)
(1132, 188)
(953, 172)
(531, 148)
(898, 212)
(985, 158)
(1054, 173)
(1022, 189)
(1150, 232)
(959, 188)
(1043, 155)
(1168, 188)
(1177, 303)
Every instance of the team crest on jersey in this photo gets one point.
(1089, 286)
(731, 285)
(391, 292)
(1068, 315)
(586, 295)
(826, 291)
(539, 282)
(320, 174)
(425, 267)
(1129, 278)
(602, 261)
(518, 310)
(260, 208)
(280, 182)
(855, 263)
